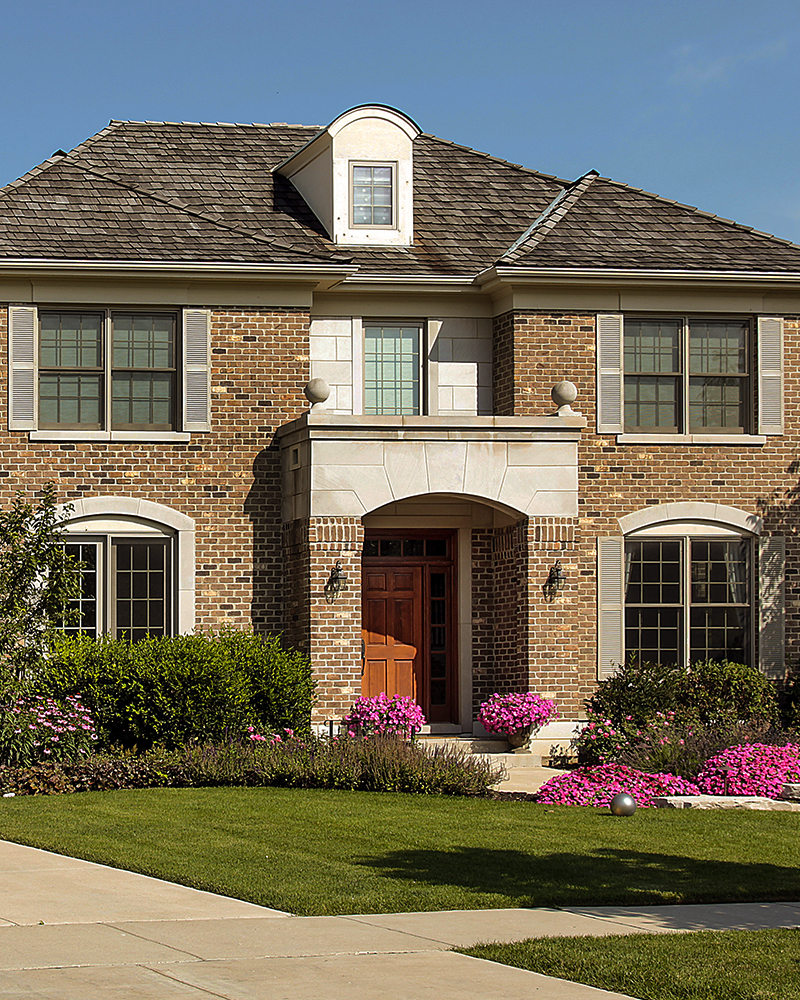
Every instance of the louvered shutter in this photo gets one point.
(610, 605)
(771, 605)
(22, 388)
(196, 370)
(609, 373)
(770, 375)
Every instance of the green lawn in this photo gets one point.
(318, 851)
(705, 965)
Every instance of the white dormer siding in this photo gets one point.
(323, 173)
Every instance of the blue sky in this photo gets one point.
(696, 101)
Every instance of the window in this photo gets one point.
(687, 374)
(125, 586)
(107, 370)
(690, 377)
(688, 599)
(372, 195)
(392, 369)
(108, 374)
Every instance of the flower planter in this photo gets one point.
(522, 737)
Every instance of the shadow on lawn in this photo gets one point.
(605, 877)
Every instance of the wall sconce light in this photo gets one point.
(336, 582)
(555, 582)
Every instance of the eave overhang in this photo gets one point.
(319, 276)
(494, 277)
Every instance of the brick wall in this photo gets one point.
(328, 631)
(227, 480)
(617, 479)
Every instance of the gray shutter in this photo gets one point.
(196, 370)
(771, 605)
(770, 375)
(22, 394)
(609, 373)
(610, 605)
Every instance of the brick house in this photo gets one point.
(177, 296)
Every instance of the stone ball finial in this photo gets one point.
(317, 391)
(563, 395)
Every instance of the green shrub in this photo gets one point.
(181, 689)
(708, 692)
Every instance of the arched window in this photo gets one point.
(690, 581)
(138, 567)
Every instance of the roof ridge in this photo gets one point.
(496, 159)
(699, 211)
(138, 121)
(55, 158)
(550, 217)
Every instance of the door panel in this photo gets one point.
(392, 624)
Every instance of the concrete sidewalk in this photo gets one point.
(72, 930)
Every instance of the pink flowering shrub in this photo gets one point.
(382, 714)
(36, 729)
(596, 786)
(751, 769)
(506, 713)
(601, 740)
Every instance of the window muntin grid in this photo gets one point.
(688, 599)
(141, 594)
(86, 604)
(392, 371)
(85, 386)
(686, 374)
(126, 586)
(372, 195)
(71, 370)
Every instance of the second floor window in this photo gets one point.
(392, 369)
(686, 374)
(107, 371)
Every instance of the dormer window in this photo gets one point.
(357, 176)
(373, 195)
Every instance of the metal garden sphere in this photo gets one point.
(623, 805)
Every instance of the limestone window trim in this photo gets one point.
(684, 523)
(107, 518)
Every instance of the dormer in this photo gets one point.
(357, 176)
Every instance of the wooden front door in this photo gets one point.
(408, 619)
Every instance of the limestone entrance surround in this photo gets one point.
(338, 465)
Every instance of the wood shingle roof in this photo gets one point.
(192, 192)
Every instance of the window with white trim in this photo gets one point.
(689, 375)
(108, 374)
(392, 368)
(126, 586)
(372, 195)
